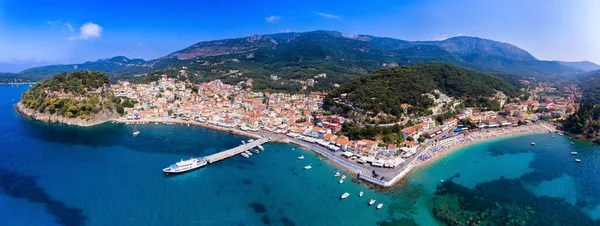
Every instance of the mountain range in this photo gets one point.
(300, 56)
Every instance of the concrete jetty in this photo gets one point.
(235, 151)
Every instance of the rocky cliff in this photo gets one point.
(53, 118)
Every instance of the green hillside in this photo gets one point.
(386, 89)
(304, 55)
(78, 94)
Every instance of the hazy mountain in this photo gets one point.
(118, 65)
(582, 65)
(304, 55)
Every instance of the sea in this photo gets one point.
(53, 174)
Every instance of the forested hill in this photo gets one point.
(301, 56)
(81, 94)
(586, 120)
(386, 89)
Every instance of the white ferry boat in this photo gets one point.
(185, 165)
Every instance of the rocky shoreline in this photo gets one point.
(52, 118)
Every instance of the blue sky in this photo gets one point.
(50, 32)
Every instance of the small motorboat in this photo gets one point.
(260, 148)
(360, 194)
(308, 167)
(379, 205)
(135, 133)
(243, 142)
(532, 144)
(254, 150)
(372, 202)
(251, 140)
(248, 153)
(301, 157)
(552, 136)
(245, 155)
(577, 160)
(345, 195)
(341, 181)
(337, 174)
(572, 143)
(574, 153)
(343, 177)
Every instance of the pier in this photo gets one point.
(235, 151)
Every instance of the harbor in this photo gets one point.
(235, 151)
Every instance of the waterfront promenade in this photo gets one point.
(387, 177)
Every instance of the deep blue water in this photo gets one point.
(56, 174)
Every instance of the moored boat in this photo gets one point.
(577, 160)
(245, 155)
(254, 150)
(185, 165)
(248, 153)
(308, 167)
(301, 157)
(574, 153)
(243, 142)
(135, 133)
(372, 202)
(337, 174)
(345, 195)
(360, 194)
(532, 144)
(260, 148)
(572, 143)
(380, 205)
(343, 176)
(341, 181)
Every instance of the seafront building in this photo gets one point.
(299, 116)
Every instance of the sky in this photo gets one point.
(34, 33)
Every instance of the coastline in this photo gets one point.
(537, 129)
(51, 118)
(352, 169)
(183, 122)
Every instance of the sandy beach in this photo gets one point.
(445, 147)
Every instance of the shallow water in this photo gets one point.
(56, 174)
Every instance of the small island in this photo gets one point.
(81, 98)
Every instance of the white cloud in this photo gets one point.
(273, 19)
(69, 27)
(53, 22)
(87, 31)
(328, 16)
(58, 22)
(287, 30)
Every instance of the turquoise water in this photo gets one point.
(63, 175)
